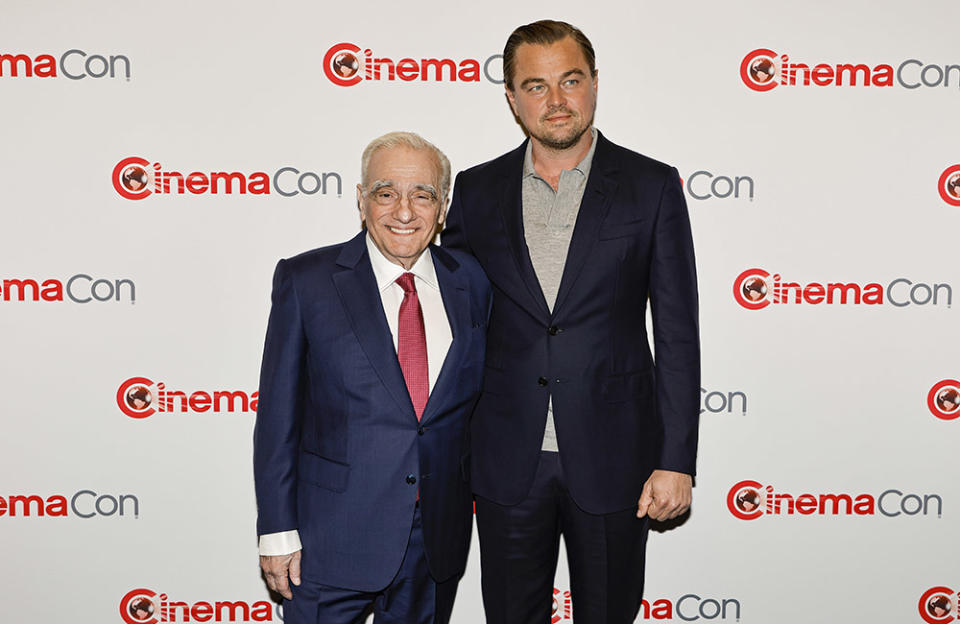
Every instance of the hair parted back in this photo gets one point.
(544, 32)
(412, 141)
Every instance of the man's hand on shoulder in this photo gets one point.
(278, 568)
(666, 495)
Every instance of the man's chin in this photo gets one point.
(559, 143)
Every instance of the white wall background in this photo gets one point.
(845, 190)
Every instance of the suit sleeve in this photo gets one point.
(454, 235)
(276, 436)
(673, 301)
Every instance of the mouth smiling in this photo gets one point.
(401, 231)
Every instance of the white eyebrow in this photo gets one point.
(379, 184)
(428, 188)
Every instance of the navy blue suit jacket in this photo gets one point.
(618, 414)
(337, 436)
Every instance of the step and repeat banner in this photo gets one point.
(158, 159)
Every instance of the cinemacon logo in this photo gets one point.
(80, 288)
(688, 607)
(763, 69)
(73, 64)
(755, 289)
(138, 178)
(82, 504)
(748, 500)
(345, 65)
(949, 185)
(139, 397)
(145, 606)
(943, 400)
(703, 185)
(717, 402)
(939, 604)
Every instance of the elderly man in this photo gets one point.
(371, 367)
(578, 431)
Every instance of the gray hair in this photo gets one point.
(412, 141)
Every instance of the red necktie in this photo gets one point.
(412, 345)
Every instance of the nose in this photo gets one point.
(556, 99)
(404, 210)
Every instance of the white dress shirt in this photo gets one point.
(438, 334)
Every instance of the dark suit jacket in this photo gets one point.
(618, 414)
(336, 434)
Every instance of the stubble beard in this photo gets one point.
(561, 143)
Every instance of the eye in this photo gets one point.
(572, 82)
(535, 89)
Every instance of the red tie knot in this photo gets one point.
(406, 283)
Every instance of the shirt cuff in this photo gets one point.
(283, 543)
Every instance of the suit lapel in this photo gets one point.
(600, 191)
(360, 296)
(456, 302)
(511, 215)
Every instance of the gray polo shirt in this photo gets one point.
(548, 220)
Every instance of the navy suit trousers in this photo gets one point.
(519, 545)
(412, 597)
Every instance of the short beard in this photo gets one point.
(560, 145)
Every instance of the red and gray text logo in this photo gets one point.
(79, 288)
(84, 504)
(140, 397)
(145, 606)
(73, 64)
(763, 69)
(347, 64)
(749, 500)
(687, 608)
(138, 178)
(756, 289)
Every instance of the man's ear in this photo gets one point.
(442, 215)
(513, 102)
(360, 201)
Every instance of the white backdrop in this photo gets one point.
(837, 184)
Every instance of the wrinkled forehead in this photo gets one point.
(404, 165)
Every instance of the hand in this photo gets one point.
(665, 495)
(277, 568)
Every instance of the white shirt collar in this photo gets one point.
(387, 272)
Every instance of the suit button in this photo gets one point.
(420, 431)
(411, 479)
(553, 330)
(543, 381)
